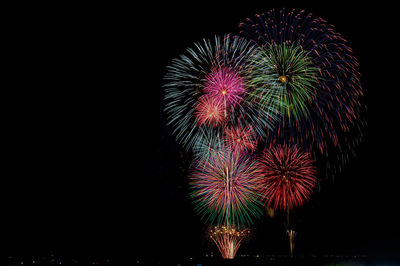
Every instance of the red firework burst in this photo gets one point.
(240, 139)
(225, 85)
(287, 177)
(209, 111)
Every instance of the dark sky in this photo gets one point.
(89, 168)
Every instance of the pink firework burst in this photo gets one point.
(225, 85)
(287, 177)
(240, 139)
(210, 112)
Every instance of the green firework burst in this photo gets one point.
(284, 76)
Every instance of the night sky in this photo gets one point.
(89, 167)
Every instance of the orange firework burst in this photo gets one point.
(228, 239)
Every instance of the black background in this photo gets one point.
(89, 168)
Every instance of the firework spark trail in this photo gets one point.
(291, 235)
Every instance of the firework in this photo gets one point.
(240, 139)
(315, 75)
(225, 86)
(209, 111)
(286, 72)
(224, 187)
(291, 235)
(208, 87)
(208, 142)
(228, 239)
(287, 177)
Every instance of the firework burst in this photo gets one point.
(208, 76)
(228, 239)
(224, 187)
(240, 139)
(291, 234)
(309, 66)
(286, 72)
(209, 111)
(287, 177)
(225, 86)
